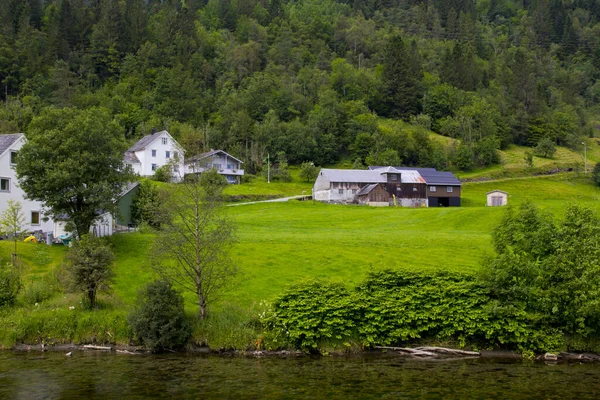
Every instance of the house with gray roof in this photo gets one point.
(153, 151)
(32, 210)
(223, 162)
(384, 186)
(443, 188)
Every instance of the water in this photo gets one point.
(97, 375)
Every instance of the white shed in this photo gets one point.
(497, 198)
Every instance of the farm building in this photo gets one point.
(497, 198)
(383, 186)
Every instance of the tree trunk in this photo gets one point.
(92, 298)
(203, 312)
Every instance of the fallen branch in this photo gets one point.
(93, 347)
(413, 352)
(126, 352)
(449, 351)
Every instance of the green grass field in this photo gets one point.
(280, 244)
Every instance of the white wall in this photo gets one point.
(503, 196)
(17, 194)
(146, 158)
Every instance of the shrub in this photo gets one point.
(596, 174)
(164, 173)
(10, 284)
(158, 321)
(545, 148)
(37, 292)
(308, 171)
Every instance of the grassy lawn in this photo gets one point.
(283, 243)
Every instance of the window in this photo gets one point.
(165, 140)
(4, 184)
(394, 177)
(354, 191)
(341, 191)
(230, 166)
(153, 153)
(153, 167)
(13, 157)
(432, 188)
(167, 154)
(35, 218)
(449, 189)
(414, 189)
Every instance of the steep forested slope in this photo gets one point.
(311, 77)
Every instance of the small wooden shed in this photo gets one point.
(497, 198)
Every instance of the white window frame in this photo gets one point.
(154, 167)
(13, 153)
(154, 153)
(414, 189)
(340, 191)
(167, 154)
(8, 182)
(432, 189)
(449, 189)
(165, 141)
(39, 218)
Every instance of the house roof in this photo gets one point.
(370, 175)
(128, 188)
(147, 140)
(207, 154)
(7, 140)
(431, 175)
(131, 158)
(497, 191)
(366, 189)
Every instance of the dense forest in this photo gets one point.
(313, 78)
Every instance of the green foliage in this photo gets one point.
(310, 313)
(547, 269)
(308, 171)
(596, 174)
(73, 163)
(158, 321)
(89, 269)
(10, 285)
(394, 307)
(545, 148)
(37, 291)
(164, 173)
(145, 203)
(11, 222)
(529, 158)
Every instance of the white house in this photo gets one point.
(225, 164)
(154, 151)
(32, 210)
(497, 198)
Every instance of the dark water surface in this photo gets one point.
(98, 375)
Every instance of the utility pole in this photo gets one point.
(584, 158)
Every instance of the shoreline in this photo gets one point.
(205, 350)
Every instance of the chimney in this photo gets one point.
(153, 131)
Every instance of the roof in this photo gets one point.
(431, 175)
(145, 141)
(202, 156)
(128, 188)
(131, 158)
(497, 191)
(370, 175)
(7, 140)
(366, 189)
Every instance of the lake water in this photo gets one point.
(99, 375)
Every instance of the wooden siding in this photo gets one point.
(442, 191)
(407, 191)
(377, 195)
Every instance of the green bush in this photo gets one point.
(37, 292)
(158, 321)
(10, 285)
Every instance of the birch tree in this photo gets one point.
(192, 247)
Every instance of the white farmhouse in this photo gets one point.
(225, 164)
(154, 151)
(9, 187)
